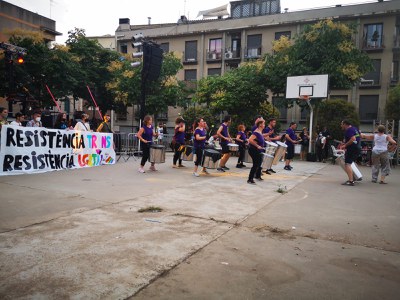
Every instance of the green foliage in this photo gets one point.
(240, 93)
(331, 112)
(125, 85)
(392, 108)
(191, 114)
(323, 48)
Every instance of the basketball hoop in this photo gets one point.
(304, 97)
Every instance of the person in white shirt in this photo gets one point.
(36, 120)
(83, 124)
(19, 117)
(380, 154)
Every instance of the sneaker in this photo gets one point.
(152, 168)
(374, 180)
(271, 171)
(221, 170)
(267, 172)
(182, 166)
(175, 166)
(140, 170)
(259, 178)
(290, 167)
(251, 181)
(348, 182)
(239, 166)
(225, 168)
(243, 166)
(196, 174)
(287, 168)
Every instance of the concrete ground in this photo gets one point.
(78, 234)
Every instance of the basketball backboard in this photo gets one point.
(314, 86)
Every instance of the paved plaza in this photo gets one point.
(78, 234)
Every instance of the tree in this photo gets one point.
(392, 108)
(240, 93)
(125, 85)
(332, 112)
(326, 47)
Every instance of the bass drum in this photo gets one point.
(210, 158)
(187, 154)
(157, 154)
(280, 152)
(267, 161)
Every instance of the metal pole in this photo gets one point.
(311, 125)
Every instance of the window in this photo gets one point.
(213, 71)
(283, 33)
(254, 45)
(165, 47)
(373, 35)
(215, 49)
(251, 8)
(368, 108)
(280, 104)
(373, 77)
(304, 114)
(124, 49)
(190, 75)
(394, 76)
(191, 51)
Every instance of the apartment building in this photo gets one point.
(213, 47)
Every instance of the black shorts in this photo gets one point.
(351, 154)
(290, 151)
(225, 148)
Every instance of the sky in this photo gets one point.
(100, 17)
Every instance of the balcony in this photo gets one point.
(253, 53)
(190, 58)
(371, 45)
(214, 56)
(372, 81)
(232, 54)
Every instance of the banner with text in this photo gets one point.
(26, 150)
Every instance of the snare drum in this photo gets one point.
(270, 148)
(233, 147)
(280, 152)
(210, 158)
(157, 154)
(267, 161)
(187, 154)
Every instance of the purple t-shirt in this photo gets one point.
(243, 137)
(260, 141)
(267, 129)
(148, 134)
(292, 135)
(224, 132)
(179, 136)
(350, 132)
(199, 144)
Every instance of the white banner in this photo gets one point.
(26, 150)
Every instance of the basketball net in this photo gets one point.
(304, 97)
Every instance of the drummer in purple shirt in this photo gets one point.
(352, 146)
(241, 139)
(270, 135)
(225, 138)
(145, 135)
(200, 136)
(257, 143)
(291, 139)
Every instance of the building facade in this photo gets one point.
(213, 47)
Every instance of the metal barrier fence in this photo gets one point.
(127, 145)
